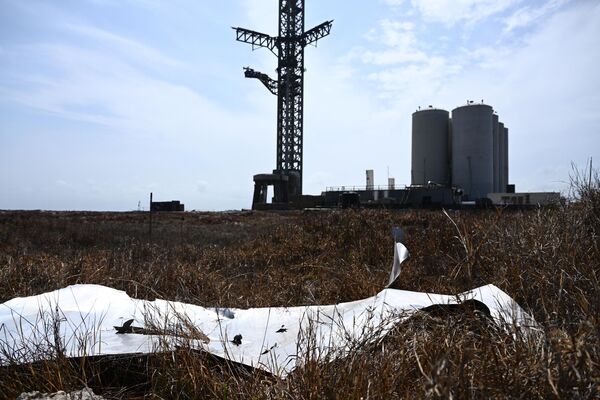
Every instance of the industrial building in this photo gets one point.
(390, 196)
(173, 205)
(457, 159)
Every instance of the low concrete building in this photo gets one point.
(525, 199)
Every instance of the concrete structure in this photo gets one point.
(472, 150)
(525, 199)
(391, 183)
(370, 179)
(262, 182)
(430, 147)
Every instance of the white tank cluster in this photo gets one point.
(469, 150)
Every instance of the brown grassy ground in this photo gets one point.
(548, 260)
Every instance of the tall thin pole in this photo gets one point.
(591, 169)
(150, 226)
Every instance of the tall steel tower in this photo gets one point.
(289, 89)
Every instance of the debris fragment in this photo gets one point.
(83, 394)
(127, 327)
(237, 340)
(225, 312)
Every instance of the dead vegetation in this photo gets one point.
(547, 259)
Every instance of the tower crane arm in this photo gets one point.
(316, 33)
(256, 39)
(270, 84)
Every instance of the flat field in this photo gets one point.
(548, 260)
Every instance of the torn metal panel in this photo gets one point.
(400, 255)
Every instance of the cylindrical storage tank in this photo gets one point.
(505, 161)
(449, 151)
(496, 153)
(501, 145)
(430, 147)
(472, 150)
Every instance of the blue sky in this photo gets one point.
(104, 101)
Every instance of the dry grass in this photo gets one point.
(547, 259)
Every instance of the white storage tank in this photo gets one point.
(504, 172)
(430, 147)
(501, 145)
(496, 153)
(472, 150)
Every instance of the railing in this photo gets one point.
(364, 188)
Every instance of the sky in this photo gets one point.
(105, 101)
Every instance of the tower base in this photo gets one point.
(287, 191)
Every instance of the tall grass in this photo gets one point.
(547, 259)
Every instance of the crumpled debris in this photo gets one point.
(270, 339)
(83, 394)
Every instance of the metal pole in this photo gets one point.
(591, 169)
(150, 227)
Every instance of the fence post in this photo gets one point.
(150, 225)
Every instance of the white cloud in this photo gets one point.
(422, 80)
(127, 48)
(451, 12)
(261, 16)
(398, 33)
(393, 3)
(395, 56)
(527, 15)
(120, 92)
(401, 40)
(406, 64)
(154, 4)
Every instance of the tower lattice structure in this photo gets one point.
(288, 46)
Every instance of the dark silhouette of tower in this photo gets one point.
(289, 89)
